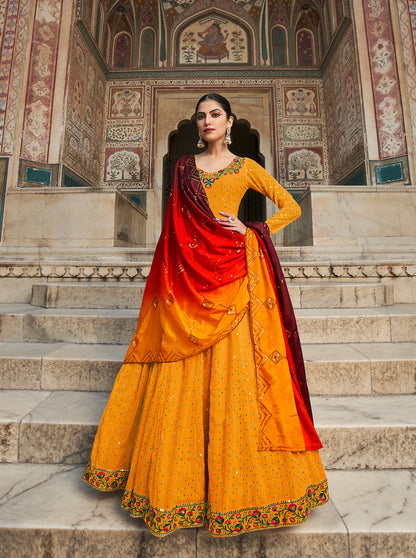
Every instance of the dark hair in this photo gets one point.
(220, 100)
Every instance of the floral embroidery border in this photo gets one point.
(104, 480)
(163, 522)
(208, 178)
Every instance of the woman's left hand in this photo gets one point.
(231, 223)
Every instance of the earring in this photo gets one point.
(200, 143)
(227, 139)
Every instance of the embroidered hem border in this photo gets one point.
(163, 522)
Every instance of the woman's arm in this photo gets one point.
(263, 182)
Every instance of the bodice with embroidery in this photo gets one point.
(226, 187)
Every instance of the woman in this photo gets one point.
(209, 420)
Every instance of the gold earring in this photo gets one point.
(200, 143)
(227, 139)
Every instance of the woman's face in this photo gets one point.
(212, 120)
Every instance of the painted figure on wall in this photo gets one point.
(212, 43)
(214, 40)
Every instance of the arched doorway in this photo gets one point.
(245, 143)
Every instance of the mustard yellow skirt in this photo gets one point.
(181, 440)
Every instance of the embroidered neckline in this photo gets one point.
(208, 178)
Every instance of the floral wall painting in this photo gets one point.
(126, 102)
(302, 132)
(213, 39)
(304, 164)
(301, 101)
(123, 165)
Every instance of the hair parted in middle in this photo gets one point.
(219, 99)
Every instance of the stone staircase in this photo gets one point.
(59, 355)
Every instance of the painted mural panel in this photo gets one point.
(305, 164)
(301, 101)
(343, 118)
(123, 165)
(125, 133)
(126, 150)
(14, 26)
(85, 114)
(302, 152)
(126, 102)
(41, 80)
(385, 80)
(213, 40)
(302, 132)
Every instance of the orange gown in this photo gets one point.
(185, 437)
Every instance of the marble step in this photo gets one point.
(26, 323)
(337, 369)
(357, 432)
(51, 512)
(130, 295)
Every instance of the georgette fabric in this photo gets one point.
(209, 421)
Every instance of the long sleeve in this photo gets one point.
(261, 181)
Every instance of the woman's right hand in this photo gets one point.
(232, 223)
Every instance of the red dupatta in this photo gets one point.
(200, 287)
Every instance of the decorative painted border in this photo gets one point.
(389, 171)
(4, 164)
(406, 11)
(34, 174)
(6, 61)
(17, 75)
(311, 132)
